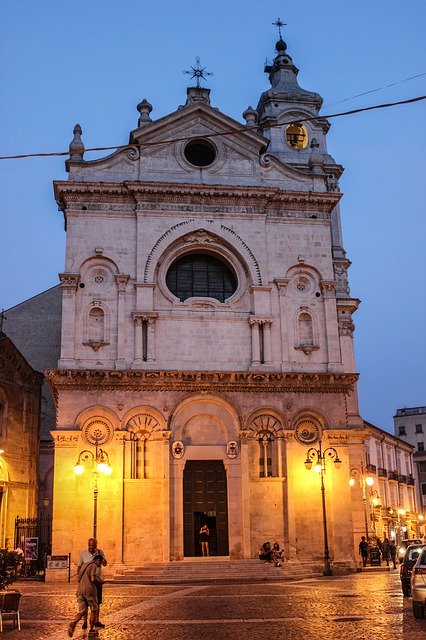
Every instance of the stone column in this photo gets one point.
(150, 338)
(121, 281)
(166, 494)
(255, 341)
(282, 289)
(267, 344)
(329, 292)
(119, 503)
(138, 352)
(245, 493)
(69, 282)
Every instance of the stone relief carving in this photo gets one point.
(232, 449)
(331, 183)
(200, 237)
(178, 449)
(97, 432)
(346, 327)
(341, 277)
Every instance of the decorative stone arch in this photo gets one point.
(98, 261)
(97, 425)
(194, 235)
(265, 430)
(308, 426)
(96, 324)
(306, 330)
(226, 418)
(303, 280)
(144, 420)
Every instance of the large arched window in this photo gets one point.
(201, 275)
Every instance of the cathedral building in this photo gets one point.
(207, 356)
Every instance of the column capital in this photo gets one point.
(328, 287)
(282, 284)
(121, 281)
(69, 280)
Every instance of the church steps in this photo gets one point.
(209, 570)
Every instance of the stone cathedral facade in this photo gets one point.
(207, 336)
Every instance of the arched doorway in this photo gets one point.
(205, 500)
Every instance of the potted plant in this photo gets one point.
(9, 563)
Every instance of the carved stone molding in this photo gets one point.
(228, 381)
(69, 280)
(65, 438)
(346, 327)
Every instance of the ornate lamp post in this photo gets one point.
(318, 459)
(98, 462)
(364, 481)
(375, 503)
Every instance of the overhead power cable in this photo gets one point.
(386, 86)
(230, 132)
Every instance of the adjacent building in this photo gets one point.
(20, 396)
(410, 426)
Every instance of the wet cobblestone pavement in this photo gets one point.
(357, 607)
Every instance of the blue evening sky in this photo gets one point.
(92, 61)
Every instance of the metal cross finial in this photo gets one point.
(279, 23)
(198, 72)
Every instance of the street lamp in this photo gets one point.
(99, 463)
(318, 458)
(375, 503)
(364, 481)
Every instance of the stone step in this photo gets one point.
(210, 570)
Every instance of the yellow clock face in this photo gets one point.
(297, 136)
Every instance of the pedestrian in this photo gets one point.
(363, 550)
(392, 550)
(85, 556)
(87, 595)
(265, 552)
(386, 551)
(277, 554)
(204, 539)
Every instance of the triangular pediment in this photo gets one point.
(158, 153)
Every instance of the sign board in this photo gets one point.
(31, 549)
(57, 562)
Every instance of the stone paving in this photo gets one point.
(358, 607)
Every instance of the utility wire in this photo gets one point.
(386, 86)
(230, 132)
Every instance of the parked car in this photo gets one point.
(407, 564)
(403, 546)
(418, 585)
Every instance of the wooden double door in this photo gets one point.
(205, 501)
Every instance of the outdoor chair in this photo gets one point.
(9, 607)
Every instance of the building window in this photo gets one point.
(202, 276)
(419, 428)
(200, 153)
(401, 431)
(420, 446)
(424, 489)
(422, 467)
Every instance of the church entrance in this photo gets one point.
(205, 501)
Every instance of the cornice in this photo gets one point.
(140, 193)
(223, 381)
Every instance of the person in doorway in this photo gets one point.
(363, 550)
(204, 539)
(87, 595)
(85, 556)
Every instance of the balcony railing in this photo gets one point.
(402, 479)
(410, 480)
(382, 473)
(392, 475)
(371, 468)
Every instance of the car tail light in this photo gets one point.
(420, 570)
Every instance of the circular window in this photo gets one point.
(199, 275)
(297, 136)
(200, 153)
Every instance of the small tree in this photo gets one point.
(9, 562)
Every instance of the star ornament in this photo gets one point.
(198, 72)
